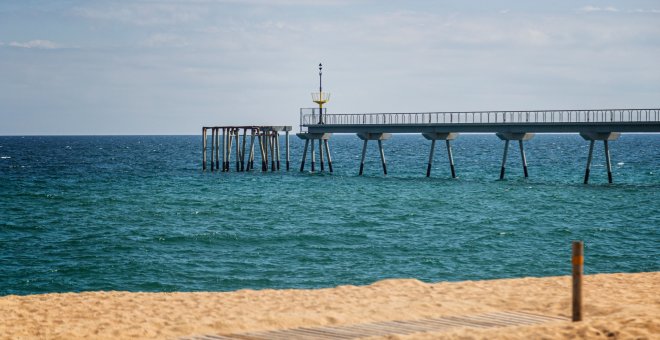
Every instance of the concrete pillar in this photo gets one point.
(364, 153)
(287, 150)
(327, 151)
(273, 165)
(302, 163)
(243, 149)
(382, 156)
(591, 153)
(277, 149)
(428, 167)
(213, 162)
(321, 154)
(217, 149)
(250, 164)
(524, 160)
(238, 150)
(451, 159)
(203, 149)
(230, 140)
(506, 149)
(605, 137)
(446, 136)
(262, 152)
(313, 156)
(607, 161)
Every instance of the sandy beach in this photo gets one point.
(619, 306)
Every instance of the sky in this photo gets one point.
(74, 67)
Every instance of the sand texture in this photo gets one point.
(617, 306)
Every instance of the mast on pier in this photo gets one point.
(320, 97)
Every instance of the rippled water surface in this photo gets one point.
(137, 213)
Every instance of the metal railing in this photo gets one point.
(310, 116)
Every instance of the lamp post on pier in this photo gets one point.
(320, 97)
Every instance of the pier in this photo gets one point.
(227, 138)
(593, 125)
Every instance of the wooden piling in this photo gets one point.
(591, 153)
(451, 159)
(430, 164)
(364, 153)
(577, 273)
(524, 159)
(607, 160)
(506, 150)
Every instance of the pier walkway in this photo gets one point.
(603, 124)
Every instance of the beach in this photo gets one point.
(616, 306)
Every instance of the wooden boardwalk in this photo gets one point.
(384, 328)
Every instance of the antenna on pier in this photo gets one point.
(320, 97)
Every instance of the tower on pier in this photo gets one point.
(320, 97)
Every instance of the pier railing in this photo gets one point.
(310, 116)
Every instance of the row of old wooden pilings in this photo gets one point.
(228, 139)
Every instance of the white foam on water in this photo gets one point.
(620, 163)
(5, 157)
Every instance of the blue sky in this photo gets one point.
(171, 66)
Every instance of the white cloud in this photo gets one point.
(505, 11)
(640, 10)
(598, 9)
(145, 14)
(39, 44)
(166, 40)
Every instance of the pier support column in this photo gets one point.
(502, 169)
(591, 153)
(380, 137)
(321, 154)
(273, 163)
(451, 159)
(364, 153)
(250, 162)
(382, 156)
(313, 156)
(311, 138)
(302, 162)
(213, 150)
(238, 150)
(217, 149)
(262, 152)
(433, 136)
(203, 149)
(605, 137)
(524, 160)
(327, 152)
(243, 149)
(428, 167)
(277, 149)
(287, 150)
(520, 137)
(607, 161)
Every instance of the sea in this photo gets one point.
(137, 213)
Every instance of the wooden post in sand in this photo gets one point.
(578, 263)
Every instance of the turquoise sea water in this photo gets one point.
(137, 213)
